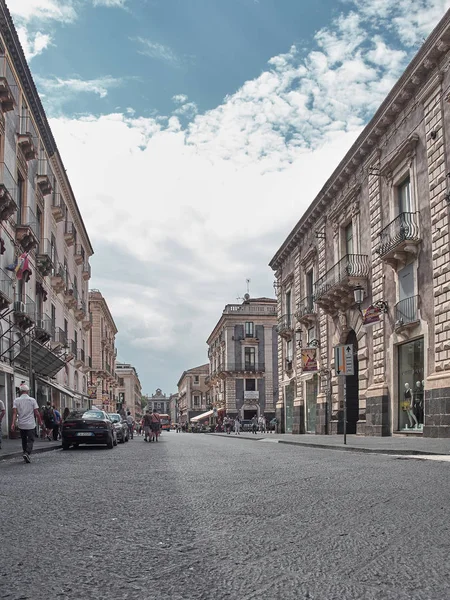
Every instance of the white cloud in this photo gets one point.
(110, 3)
(180, 98)
(43, 10)
(33, 44)
(189, 110)
(156, 50)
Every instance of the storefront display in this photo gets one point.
(411, 385)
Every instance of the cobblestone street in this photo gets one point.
(198, 516)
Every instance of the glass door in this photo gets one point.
(311, 403)
(411, 385)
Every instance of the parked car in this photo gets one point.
(91, 426)
(121, 427)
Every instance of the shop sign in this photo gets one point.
(371, 315)
(309, 360)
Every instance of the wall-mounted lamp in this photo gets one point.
(314, 343)
(358, 294)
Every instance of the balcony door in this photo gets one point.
(406, 308)
(249, 359)
(404, 196)
(349, 246)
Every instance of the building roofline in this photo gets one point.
(105, 305)
(374, 129)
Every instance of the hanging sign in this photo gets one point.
(371, 315)
(309, 360)
(92, 392)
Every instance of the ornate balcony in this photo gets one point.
(399, 241)
(70, 297)
(45, 177)
(43, 331)
(28, 138)
(78, 254)
(306, 312)
(243, 368)
(407, 313)
(58, 280)
(71, 350)
(24, 313)
(285, 326)
(27, 231)
(86, 271)
(80, 311)
(6, 290)
(44, 257)
(80, 360)
(59, 338)
(9, 90)
(334, 291)
(8, 193)
(69, 233)
(58, 207)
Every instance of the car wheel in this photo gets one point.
(65, 445)
(110, 443)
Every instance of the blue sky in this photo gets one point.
(196, 132)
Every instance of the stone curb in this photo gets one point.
(391, 451)
(35, 451)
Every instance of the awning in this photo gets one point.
(202, 416)
(43, 361)
(55, 385)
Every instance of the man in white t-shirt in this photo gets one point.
(2, 414)
(27, 411)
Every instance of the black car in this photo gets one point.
(121, 427)
(91, 426)
(246, 425)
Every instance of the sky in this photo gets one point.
(195, 133)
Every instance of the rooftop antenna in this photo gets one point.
(247, 294)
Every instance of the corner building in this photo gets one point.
(243, 359)
(380, 223)
(129, 392)
(193, 393)
(44, 318)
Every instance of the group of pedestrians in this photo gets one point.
(151, 424)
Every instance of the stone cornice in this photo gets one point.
(405, 150)
(408, 88)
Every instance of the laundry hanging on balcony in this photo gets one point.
(21, 267)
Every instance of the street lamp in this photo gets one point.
(358, 294)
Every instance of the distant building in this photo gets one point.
(243, 359)
(174, 408)
(193, 393)
(103, 353)
(159, 402)
(129, 391)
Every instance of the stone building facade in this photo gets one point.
(103, 381)
(44, 248)
(159, 402)
(193, 389)
(128, 392)
(380, 223)
(242, 351)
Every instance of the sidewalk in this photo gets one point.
(13, 448)
(399, 445)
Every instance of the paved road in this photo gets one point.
(204, 517)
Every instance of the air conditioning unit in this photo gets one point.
(19, 307)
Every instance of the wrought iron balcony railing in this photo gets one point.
(305, 307)
(245, 366)
(403, 228)
(350, 266)
(407, 311)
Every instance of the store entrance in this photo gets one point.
(352, 383)
(311, 404)
(249, 414)
(289, 393)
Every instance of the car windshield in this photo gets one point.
(115, 418)
(91, 414)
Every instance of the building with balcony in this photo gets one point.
(243, 362)
(129, 392)
(159, 402)
(193, 393)
(103, 381)
(368, 264)
(42, 342)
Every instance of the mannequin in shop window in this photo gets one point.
(409, 406)
(418, 402)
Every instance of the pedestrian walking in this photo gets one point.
(262, 424)
(66, 413)
(26, 409)
(155, 425)
(237, 426)
(57, 425)
(49, 420)
(255, 424)
(130, 422)
(147, 421)
(2, 414)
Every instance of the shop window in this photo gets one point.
(411, 385)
